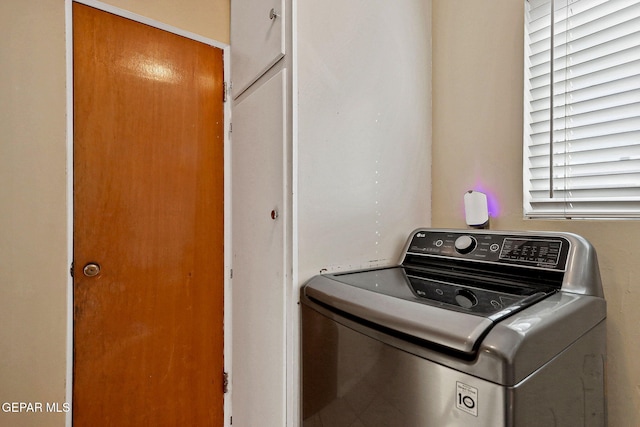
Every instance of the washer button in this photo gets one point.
(466, 298)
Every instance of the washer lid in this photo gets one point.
(455, 330)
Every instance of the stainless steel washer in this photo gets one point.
(473, 328)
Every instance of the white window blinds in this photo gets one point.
(582, 121)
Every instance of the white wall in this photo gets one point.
(477, 143)
(364, 136)
(33, 240)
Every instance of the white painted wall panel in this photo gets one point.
(364, 138)
(257, 38)
(259, 277)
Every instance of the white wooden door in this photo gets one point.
(257, 37)
(259, 256)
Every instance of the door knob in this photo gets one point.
(91, 269)
(273, 14)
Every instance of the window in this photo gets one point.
(582, 121)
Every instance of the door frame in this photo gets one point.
(227, 184)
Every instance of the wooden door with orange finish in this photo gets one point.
(148, 225)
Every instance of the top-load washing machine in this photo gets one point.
(473, 328)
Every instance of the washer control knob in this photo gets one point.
(465, 244)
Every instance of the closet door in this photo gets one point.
(257, 37)
(259, 256)
(148, 231)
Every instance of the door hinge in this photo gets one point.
(225, 91)
(225, 382)
(71, 270)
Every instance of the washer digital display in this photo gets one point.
(536, 251)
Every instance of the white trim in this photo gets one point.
(228, 250)
(294, 415)
(226, 55)
(69, 143)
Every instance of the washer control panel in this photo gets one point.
(548, 252)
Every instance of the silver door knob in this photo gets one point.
(273, 14)
(91, 269)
